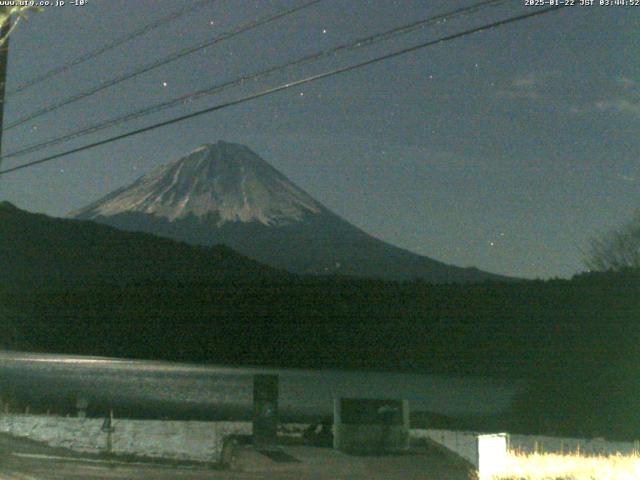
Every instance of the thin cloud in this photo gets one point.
(528, 86)
(624, 178)
(626, 83)
(622, 98)
(628, 106)
(625, 99)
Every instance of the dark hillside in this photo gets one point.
(36, 250)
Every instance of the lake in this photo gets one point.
(153, 389)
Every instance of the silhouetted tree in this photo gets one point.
(618, 249)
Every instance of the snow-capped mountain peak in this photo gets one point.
(224, 193)
(225, 180)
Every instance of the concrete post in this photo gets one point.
(491, 454)
(265, 410)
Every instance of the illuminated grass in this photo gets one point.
(570, 466)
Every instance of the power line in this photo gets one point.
(273, 90)
(360, 43)
(110, 46)
(161, 62)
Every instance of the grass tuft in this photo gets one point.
(570, 466)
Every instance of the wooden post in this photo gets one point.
(108, 428)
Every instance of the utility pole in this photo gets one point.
(4, 60)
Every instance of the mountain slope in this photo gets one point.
(225, 193)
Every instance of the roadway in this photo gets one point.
(26, 460)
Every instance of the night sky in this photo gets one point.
(506, 150)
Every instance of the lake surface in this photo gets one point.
(142, 389)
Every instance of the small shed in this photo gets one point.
(371, 425)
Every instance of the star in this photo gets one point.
(164, 84)
(324, 31)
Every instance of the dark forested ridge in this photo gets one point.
(574, 340)
(49, 253)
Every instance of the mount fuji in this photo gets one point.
(225, 193)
